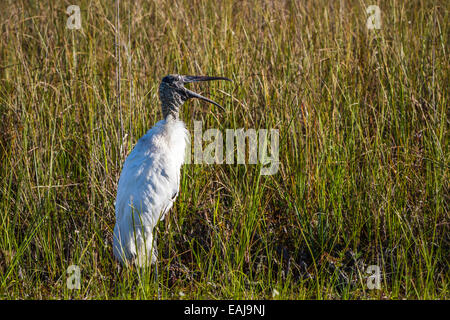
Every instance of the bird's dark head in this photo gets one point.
(173, 94)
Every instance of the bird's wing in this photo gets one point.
(149, 182)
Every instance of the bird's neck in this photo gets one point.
(172, 116)
(171, 107)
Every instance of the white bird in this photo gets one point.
(150, 178)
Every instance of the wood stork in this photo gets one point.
(150, 178)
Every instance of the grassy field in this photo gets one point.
(364, 163)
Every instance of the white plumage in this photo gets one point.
(148, 186)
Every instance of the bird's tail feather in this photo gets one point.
(134, 245)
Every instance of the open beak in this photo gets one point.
(192, 94)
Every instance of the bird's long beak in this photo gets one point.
(187, 79)
(192, 94)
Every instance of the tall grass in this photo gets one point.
(363, 122)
